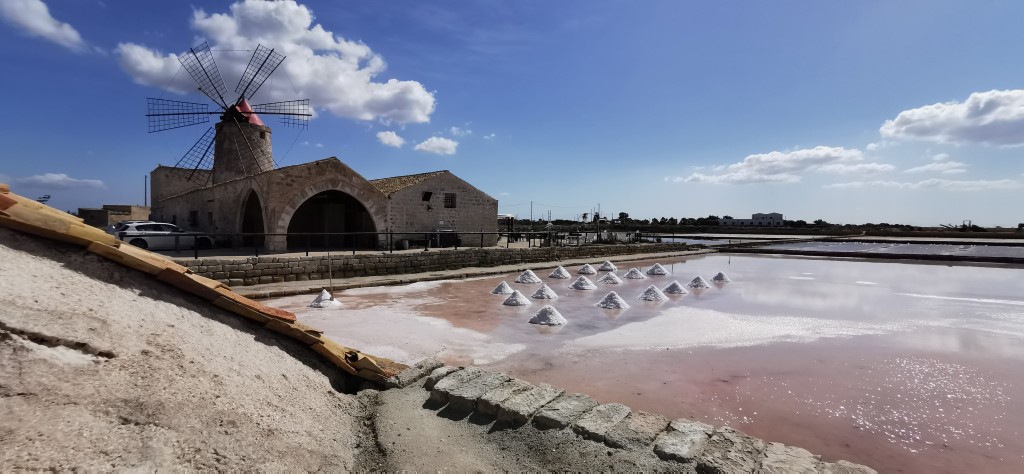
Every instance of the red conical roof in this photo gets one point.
(246, 110)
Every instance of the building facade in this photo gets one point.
(770, 219)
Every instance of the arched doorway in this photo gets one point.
(252, 221)
(331, 212)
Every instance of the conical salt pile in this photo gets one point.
(721, 277)
(675, 288)
(583, 283)
(657, 269)
(528, 277)
(634, 274)
(609, 279)
(516, 299)
(323, 300)
(699, 283)
(607, 266)
(544, 293)
(586, 270)
(548, 316)
(560, 273)
(612, 301)
(502, 289)
(652, 293)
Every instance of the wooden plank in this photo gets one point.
(6, 201)
(151, 258)
(91, 233)
(257, 306)
(335, 354)
(5, 188)
(241, 310)
(17, 224)
(295, 331)
(184, 281)
(124, 258)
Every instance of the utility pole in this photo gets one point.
(531, 215)
(145, 190)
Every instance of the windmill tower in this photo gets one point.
(239, 144)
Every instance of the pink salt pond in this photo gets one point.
(901, 366)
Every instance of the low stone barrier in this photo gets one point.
(697, 445)
(271, 269)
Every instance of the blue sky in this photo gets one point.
(872, 111)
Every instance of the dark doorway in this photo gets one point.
(331, 212)
(252, 221)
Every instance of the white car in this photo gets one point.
(161, 236)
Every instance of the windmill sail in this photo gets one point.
(164, 114)
(200, 65)
(261, 65)
(293, 112)
(199, 157)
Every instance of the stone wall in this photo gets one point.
(258, 270)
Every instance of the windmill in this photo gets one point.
(239, 144)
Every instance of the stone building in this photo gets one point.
(770, 219)
(292, 204)
(111, 214)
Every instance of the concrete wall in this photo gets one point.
(167, 181)
(112, 214)
(256, 270)
(474, 210)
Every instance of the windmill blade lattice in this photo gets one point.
(200, 65)
(261, 65)
(294, 113)
(199, 157)
(164, 114)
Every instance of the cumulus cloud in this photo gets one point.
(459, 132)
(390, 138)
(338, 75)
(944, 167)
(60, 181)
(940, 157)
(995, 117)
(34, 19)
(872, 146)
(934, 183)
(787, 167)
(438, 145)
(490, 136)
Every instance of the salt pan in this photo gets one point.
(548, 316)
(657, 269)
(324, 300)
(607, 266)
(699, 283)
(586, 270)
(634, 274)
(612, 301)
(544, 293)
(721, 278)
(609, 279)
(559, 273)
(583, 283)
(652, 293)
(516, 299)
(675, 288)
(528, 277)
(502, 289)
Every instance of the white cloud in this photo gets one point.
(945, 167)
(940, 157)
(438, 145)
(60, 181)
(934, 183)
(33, 17)
(490, 136)
(872, 146)
(995, 117)
(319, 145)
(786, 167)
(336, 74)
(459, 132)
(390, 138)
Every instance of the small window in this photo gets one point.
(427, 195)
(193, 218)
(449, 200)
(263, 135)
(209, 218)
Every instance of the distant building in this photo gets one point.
(771, 219)
(111, 214)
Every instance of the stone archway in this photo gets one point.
(252, 220)
(331, 212)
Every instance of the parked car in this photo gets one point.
(161, 236)
(113, 229)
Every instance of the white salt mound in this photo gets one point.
(528, 277)
(699, 283)
(652, 293)
(609, 279)
(634, 274)
(612, 301)
(657, 269)
(544, 293)
(586, 270)
(559, 273)
(516, 299)
(323, 300)
(675, 288)
(721, 277)
(502, 289)
(548, 316)
(607, 266)
(583, 283)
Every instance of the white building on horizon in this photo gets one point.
(771, 219)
